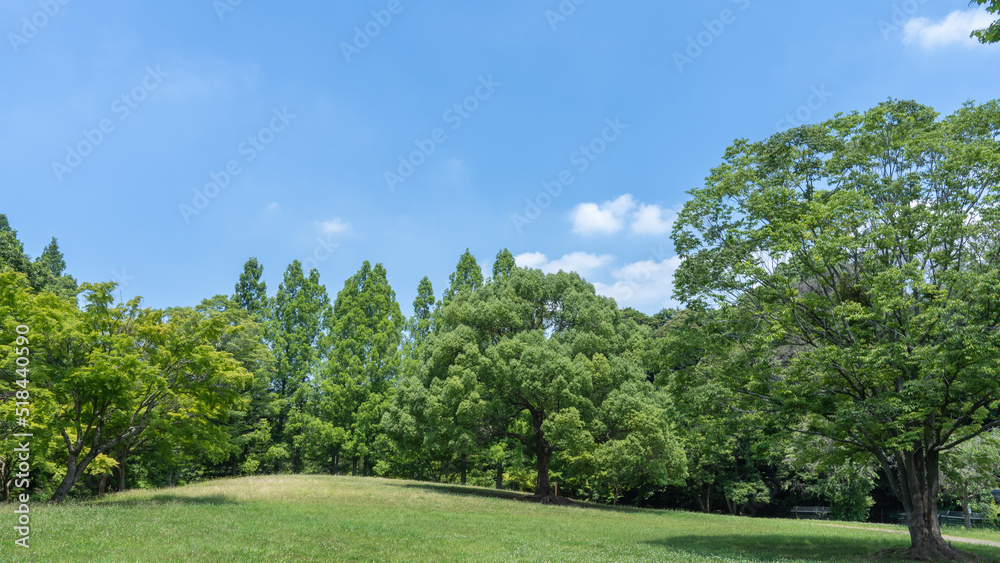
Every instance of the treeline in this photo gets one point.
(521, 380)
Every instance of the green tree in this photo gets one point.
(466, 277)
(503, 264)
(971, 470)
(251, 290)
(365, 360)
(298, 336)
(992, 33)
(115, 370)
(251, 445)
(421, 324)
(862, 250)
(534, 358)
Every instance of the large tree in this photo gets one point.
(115, 370)
(365, 360)
(541, 360)
(297, 333)
(862, 252)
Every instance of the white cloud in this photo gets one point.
(533, 260)
(606, 218)
(954, 29)
(583, 263)
(333, 227)
(272, 207)
(647, 285)
(651, 219)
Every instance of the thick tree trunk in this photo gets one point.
(542, 486)
(103, 486)
(916, 481)
(354, 467)
(499, 479)
(74, 471)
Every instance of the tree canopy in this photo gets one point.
(860, 255)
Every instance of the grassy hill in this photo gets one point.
(322, 518)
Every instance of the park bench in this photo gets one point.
(957, 517)
(819, 512)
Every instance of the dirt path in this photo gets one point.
(948, 538)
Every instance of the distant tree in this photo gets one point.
(467, 276)
(862, 252)
(251, 290)
(503, 264)
(297, 334)
(421, 323)
(12, 256)
(365, 361)
(971, 470)
(990, 34)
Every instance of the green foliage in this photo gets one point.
(992, 33)
(860, 254)
(251, 290)
(534, 359)
(504, 264)
(466, 277)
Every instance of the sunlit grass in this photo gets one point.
(321, 518)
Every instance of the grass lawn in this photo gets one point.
(322, 518)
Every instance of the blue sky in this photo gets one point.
(165, 143)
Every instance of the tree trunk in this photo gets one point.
(500, 476)
(916, 481)
(465, 467)
(965, 508)
(74, 471)
(704, 502)
(104, 484)
(122, 458)
(354, 467)
(6, 470)
(542, 486)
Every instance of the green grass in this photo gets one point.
(318, 518)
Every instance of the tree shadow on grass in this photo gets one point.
(166, 498)
(506, 495)
(782, 547)
(462, 490)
